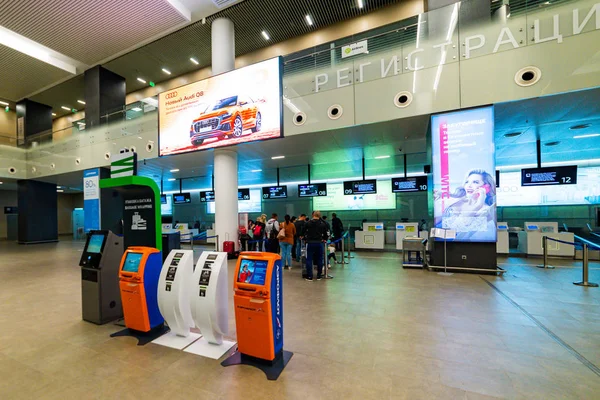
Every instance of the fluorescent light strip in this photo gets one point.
(65, 108)
(3, 103)
(309, 20)
(141, 80)
(171, 179)
(59, 190)
(81, 102)
(360, 4)
(586, 136)
(166, 71)
(192, 59)
(256, 170)
(174, 170)
(54, 114)
(381, 157)
(266, 35)
(277, 157)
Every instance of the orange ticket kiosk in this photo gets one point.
(258, 304)
(138, 281)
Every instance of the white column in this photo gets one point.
(225, 163)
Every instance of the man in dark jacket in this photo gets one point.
(315, 235)
(338, 229)
(300, 225)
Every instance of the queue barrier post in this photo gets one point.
(585, 281)
(545, 254)
(217, 243)
(343, 255)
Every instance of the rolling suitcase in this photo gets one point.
(229, 248)
(303, 257)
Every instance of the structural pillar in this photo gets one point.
(226, 161)
(104, 96)
(38, 207)
(33, 119)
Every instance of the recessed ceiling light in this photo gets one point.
(553, 143)
(81, 102)
(59, 190)
(277, 157)
(257, 170)
(166, 71)
(582, 126)
(141, 80)
(381, 157)
(586, 136)
(266, 35)
(309, 20)
(171, 179)
(54, 114)
(175, 170)
(192, 59)
(136, 109)
(360, 4)
(512, 134)
(3, 103)
(65, 108)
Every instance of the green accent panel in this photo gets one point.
(140, 181)
(125, 162)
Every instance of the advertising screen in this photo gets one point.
(253, 204)
(236, 107)
(95, 244)
(132, 262)
(243, 194)
(313, 190)
(464, 187)
(566, 175)
(253, 272)
(182, 198)
(336, 200)
(207, 196)
(410, 184)
(274, 192)
(360, 187)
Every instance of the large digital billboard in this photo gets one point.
(239, 106)
(464, 187)
(337, 200)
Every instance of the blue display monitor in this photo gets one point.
(95, 244)
(132, 262)
(253, 272)
(532, 227)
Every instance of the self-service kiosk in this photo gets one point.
(100, 298)
(139, 274)
(502, 246)
(258, 304)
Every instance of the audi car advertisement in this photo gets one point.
(235, 107)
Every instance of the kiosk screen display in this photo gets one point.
(132, 262)
(253, 272)
(95, 244)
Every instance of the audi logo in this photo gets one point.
(171, 95)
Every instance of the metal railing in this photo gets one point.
(585, 244)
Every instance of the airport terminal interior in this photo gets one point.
(276, 199)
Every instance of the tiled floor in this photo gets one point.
(376, 331)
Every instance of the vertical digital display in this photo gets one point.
(274, 192)
(410, 184)
(207, 196)
(313, 190)
(368, 186)
(243, 194)
(464, 184)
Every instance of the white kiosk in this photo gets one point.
(371, 237)
(502, 243)
(174, 299)
(530, 240)
(210, 305)
(405, 229)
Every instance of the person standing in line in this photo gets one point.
(286, 239)
(293, 251)
(300, 225)
(316, 235)
(338, 229)
(272, 231)
(259, 233)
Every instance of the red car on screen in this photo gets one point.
(227, 118)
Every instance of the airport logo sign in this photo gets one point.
(355, 48)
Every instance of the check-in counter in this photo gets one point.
(405, 229)
(530, 240)
(371, 237)
(502, 246)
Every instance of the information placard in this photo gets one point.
(409, 184)
(312, 190)
(182, 198)
(566, 175)
(207, 196)
(368, 186)
(243, 194)
(274, 192)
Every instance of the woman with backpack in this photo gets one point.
(259, 232)
(287, 232)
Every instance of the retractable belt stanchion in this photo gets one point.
(343, 256)
(545, 252)
(586, 271)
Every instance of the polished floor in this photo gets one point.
(376, 331)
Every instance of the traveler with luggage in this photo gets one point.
(300, 224)
(316, 234)
(272, 230)
(286, 235)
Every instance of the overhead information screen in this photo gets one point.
(409, 184)
(566, 175)
(274, 192)
(182, 198)
(243, 194)
(368, 186)
(207, 196)
(312, 190)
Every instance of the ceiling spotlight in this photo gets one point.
(171, 179)
(586, 136)
(381, 157)
(553, 143)
(65, 108)
(309, 20)
(512, 134)
(360, 4)
(277, 157)
(137, 109)
(266, 35)
(582, 126)
(166, 71)
(3, 103)
(175, 170)
(192, 59)
(141, 80)
(81, 102)
(257, 170)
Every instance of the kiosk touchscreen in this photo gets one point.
(139, 274)
(258, 303)
(100, 260)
